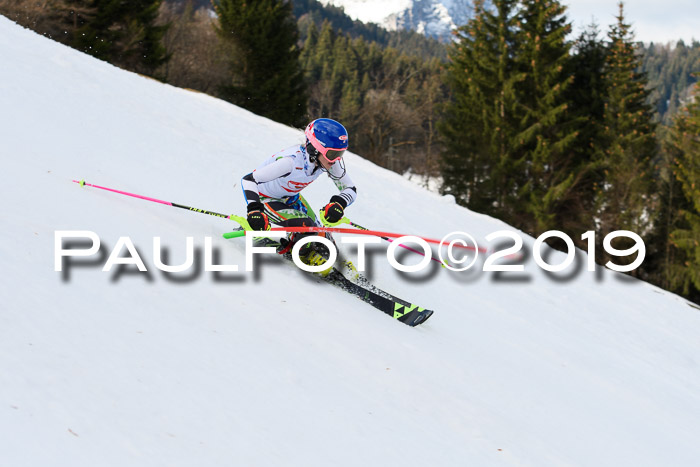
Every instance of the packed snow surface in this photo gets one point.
(274, 368)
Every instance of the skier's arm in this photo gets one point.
(348, 192)
(280, 168)
(334, 210)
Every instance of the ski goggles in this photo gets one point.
(329, 154)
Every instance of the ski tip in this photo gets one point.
(422, 317)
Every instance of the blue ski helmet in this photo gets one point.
(327, 138)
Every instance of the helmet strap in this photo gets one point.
(341, 163)
(312, 153)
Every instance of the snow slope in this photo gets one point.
(273, 368)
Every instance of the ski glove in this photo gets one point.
(334, 210)
(257, 219)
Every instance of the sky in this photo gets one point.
(652, 20)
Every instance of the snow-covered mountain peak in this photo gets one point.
(435, 18)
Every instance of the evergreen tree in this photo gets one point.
(627, 141)
(586, 100)
(351, 103)
(424, 93)
(685, 142)
(552, 173)
(306, 55)
(122, 33)
(480, 163)
(664, 261)
(317, 61)
(268, 76)
(586, 95)
(670, 70)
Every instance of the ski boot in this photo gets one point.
(311, 254)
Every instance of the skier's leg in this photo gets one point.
(285, 215)
(304, 206)
(296, 212)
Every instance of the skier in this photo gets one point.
(272, 190)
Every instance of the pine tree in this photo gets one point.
(685, 141)
(670, 70)
(587, 93)
(306, 55)
(552, 173)
(351, 103)
(122, 33)
(627, 140)
(586, 99)
(317, 62)
(424, 93)
(268, 76)
(480, 163)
